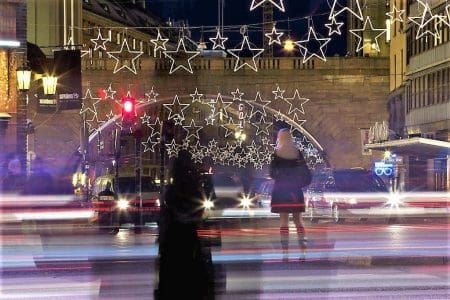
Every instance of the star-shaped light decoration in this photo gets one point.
(229, 127)
(149, 145)
(218, 41)
(109, 92)
(145, 119)
(334, 27)
(427, 21)
(314, 42)
(359, 33)
(297, 127)
(219, 107)
(192, 130)
(155, 127)
(198, 152)
(196, 96)
(127, 63)
(274, 36)
(262, 126)
(258, 105)
(278, 116)
(99, 42)
(89, 110)
(150, 96)
(172, 149)
(396, 14)
(159, 42)
(181, 55)
(237, 95)
(176, 108)
(295, 107)
(277, 3)
(278, 93)
(338, 8)
(245, 46)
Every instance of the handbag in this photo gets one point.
(302, 173)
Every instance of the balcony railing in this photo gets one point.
(428, 114)
(429, 58)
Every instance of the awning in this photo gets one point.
(414, 146)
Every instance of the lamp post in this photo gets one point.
(23, 85)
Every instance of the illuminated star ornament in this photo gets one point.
(192, 130)
(314, 42)
(118, 56)
(109, 92)
(151, 96)
(396, 14)
(176, 109)
(90, 111)
(427, 21)
(218, 41)
(334, 27)
(245, 47)
(294, 107)
(99, 41)
(159, 42)
(181, 54)
(149, 145)
(359, 33)
(340, 6)
(274, 36)
(277, 3)
(258, 105)
(278, 93)
(196, 96)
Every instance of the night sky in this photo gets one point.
(198, 13)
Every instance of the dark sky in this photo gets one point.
(198, 13)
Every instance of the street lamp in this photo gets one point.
(23, 78)
(49, 83)
(23, 85)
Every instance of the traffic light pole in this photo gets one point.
(138, 167)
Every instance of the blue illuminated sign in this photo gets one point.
(383, 168)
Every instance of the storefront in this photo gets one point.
(419, 164)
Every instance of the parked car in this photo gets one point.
(124, 203)
(342, 193)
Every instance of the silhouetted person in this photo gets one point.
(184, 272)
(108, 195)
(287, 195)
(40, 182)
(14, 181)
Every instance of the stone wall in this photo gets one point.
(345, 94)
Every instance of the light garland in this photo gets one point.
(274, 36)
(218, 41)
(255, 52)
(396, 14)
(323, 42)
(277, 3)
(338, 8)
(99, 42)
(334, 27)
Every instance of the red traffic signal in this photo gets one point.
(128, 110)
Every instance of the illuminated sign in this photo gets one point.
(383, 168)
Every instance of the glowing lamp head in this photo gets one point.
(289, 45)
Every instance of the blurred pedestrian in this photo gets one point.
(287, 195)
(39, 182)
(14, 181)
(185, 268)
(108, 196)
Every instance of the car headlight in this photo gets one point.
(246, 201)
(122, 204)
(208, 204)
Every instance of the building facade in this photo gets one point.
(419, 101)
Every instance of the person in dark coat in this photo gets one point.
(40, 182)
(14, 181)
(184, 272)
(287, 195)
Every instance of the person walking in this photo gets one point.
(185, 272)
(287, 195)
(40, 182)
(14, 181)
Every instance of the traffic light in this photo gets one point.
(128, 111)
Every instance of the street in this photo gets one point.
(356, 260)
